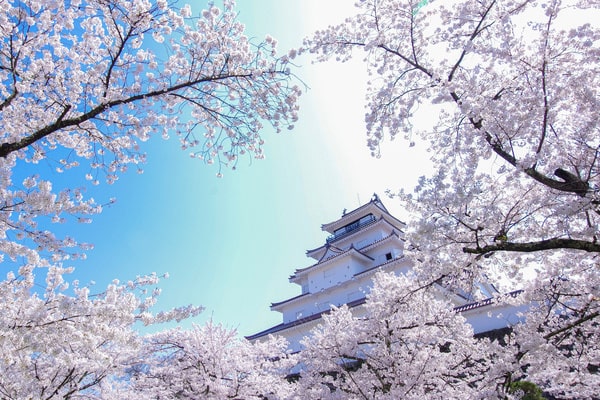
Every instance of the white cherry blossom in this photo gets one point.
(516, 154)
(83, 83)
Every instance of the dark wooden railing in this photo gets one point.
(351, 228)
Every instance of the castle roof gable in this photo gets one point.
(374, 207)
(335, 255)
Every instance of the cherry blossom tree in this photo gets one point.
(409, 344)
(84, 83)
(515, 152)
(211, 361)
(66, 342)
(558, 347)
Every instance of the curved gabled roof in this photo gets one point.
(375, 207)
(320, 252)
(316, 252)
(301, 321)
(330, 251)
(351, 252)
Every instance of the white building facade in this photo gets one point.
(362, 242)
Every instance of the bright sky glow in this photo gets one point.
(230, 244)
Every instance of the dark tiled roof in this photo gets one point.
(483, 303)
(284, 326)
(355, 303)
(352, 249)
(285, 301)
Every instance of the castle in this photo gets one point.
(362, 242)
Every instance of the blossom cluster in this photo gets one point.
(515, 150)
(84, 83)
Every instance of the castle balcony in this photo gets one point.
(351, 228)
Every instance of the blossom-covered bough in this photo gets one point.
(83, 83)
(66, 342)
(515, 192)
(211, 361)
(410, 344)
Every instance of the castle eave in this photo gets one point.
(274, 305)
(300, 321)
(351, 252)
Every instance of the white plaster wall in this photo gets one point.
(489, 318)
(322, 300)
(333, 273)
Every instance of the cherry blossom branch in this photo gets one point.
(478, 29)
(61, 123)
(571, 183)
(13, 73)
(548, 244)
(572, 325)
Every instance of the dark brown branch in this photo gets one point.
(548, 244)
(546, 110)
(575, 185)
(572, 325)
(14, 59)
(414, 63)
(544, 89)
(9, 99)
(114, 60)
(573, 182)
(61, 123)
(67, 378)
(476, 32)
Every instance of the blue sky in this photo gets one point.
(231, 243)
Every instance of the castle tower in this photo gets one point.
(361, 242)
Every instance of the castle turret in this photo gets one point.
(362, 242)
